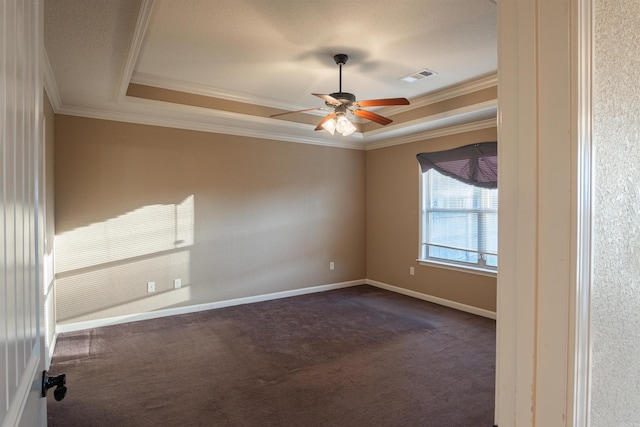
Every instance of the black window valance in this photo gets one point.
(475, 164)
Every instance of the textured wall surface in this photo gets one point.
(616, 281)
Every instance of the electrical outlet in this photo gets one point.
(151, 287)
(177, 283)
(332, 265)
(412, 271)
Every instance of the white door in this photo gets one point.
(21, 215)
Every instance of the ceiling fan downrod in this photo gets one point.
(340, 59)
(343, 97)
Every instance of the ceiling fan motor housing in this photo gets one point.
(344, 97)
(340, 58)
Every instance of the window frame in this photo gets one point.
(423, 258)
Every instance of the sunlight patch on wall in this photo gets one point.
(114, 286)
(102, 269)
(145, 231)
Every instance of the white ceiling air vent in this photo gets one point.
(424, 73)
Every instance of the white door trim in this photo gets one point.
(544, 224)
(581, 368)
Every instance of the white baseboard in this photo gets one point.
(441, 301)
(89, 324)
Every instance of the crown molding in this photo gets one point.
(146, 106)
(139, 31)
(182, 123)
(438, 133)
(443, 95)
(49, 81)
(449, 114)
(171, 84)
(196, 89)
(148, 112)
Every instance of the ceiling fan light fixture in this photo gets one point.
(341, 124)
(344, 125)
(330, 126)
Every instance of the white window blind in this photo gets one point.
(459, 222)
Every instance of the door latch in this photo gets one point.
(58, 382)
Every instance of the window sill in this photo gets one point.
(455, 267)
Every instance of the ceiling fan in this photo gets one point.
(343, 103)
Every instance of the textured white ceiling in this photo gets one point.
(281, 51)
(268, 52)
(87, 44)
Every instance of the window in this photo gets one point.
(459, 223)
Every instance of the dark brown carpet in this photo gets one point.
(358, 356)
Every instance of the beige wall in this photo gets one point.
(234, 217)
(393, 225)
(231, 216)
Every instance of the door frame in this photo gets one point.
(544, 128)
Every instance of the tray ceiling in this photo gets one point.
(225, 66)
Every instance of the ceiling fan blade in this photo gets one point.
(383, 102)
(324, 120)
(298, 111)
(372, 116)
(327, 98)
